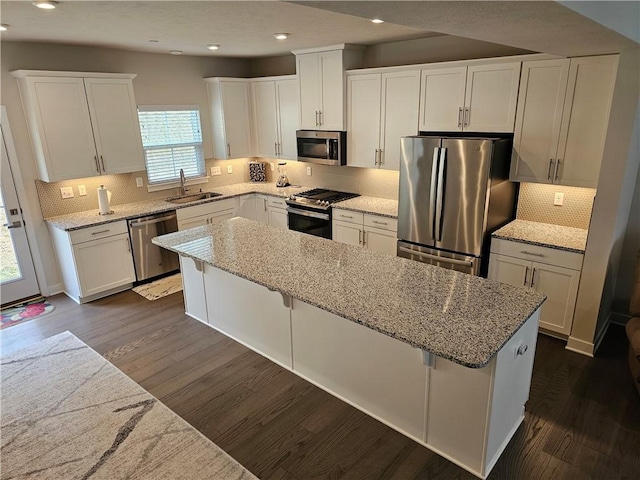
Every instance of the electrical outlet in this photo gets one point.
(66, 192)
(139, 182)
(273, 166)
(558, 199)
(82, 190)
(309, 171)
(215, 171)
(229, 169)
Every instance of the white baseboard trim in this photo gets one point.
(580, 346)
(55, 289)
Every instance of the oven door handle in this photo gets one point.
(307, 213)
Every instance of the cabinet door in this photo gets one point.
(491, 97)
(262, 209)
(104, 264)
(540, 102)
(382, 241)
(235, 103)
(308, 69)
(195, 299)
(288, 98)
(349, 233)
(363, 120)
(585, 120)
(64, 143)
(247, 208)
(398, 114)
(332, 73)
(510, 270)
(278, 217)
(560, 285)
(441, 99)
(115, 125)
(264, 109)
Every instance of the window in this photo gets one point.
(172, 140)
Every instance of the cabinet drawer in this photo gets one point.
(348, 216)
(207, 208)
(384, 223)
(99, 231)
(550, 256)
(276, 202)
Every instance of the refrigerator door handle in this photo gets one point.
(432, 193)
(440, 194)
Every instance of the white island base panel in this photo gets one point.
(464, 414)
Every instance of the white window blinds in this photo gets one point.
(172, 140)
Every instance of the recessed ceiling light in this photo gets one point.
(377, 20)
(213, 46)
(176, 52)
(45, 4)
(281, 36)
(4, 27)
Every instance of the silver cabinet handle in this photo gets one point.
(532, 253)
(100, 232)
(380, 162)
(526, 276)
(533, 278)
(375, 158)
(345, 216)
(549, 169)
(379, 223)
(460, 117)
(102, 160)
(320, 117)
(128, 246)
(264, 200)
(228, 150)
(364, 238)
(555, 175)
(95, 158)
(359, 237)
(467, 117)
(16, 224)
(275, 148)
(317, 122)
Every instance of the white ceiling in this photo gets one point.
(246, 28)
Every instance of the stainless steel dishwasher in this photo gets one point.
(149, 259)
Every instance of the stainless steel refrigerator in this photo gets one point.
(453, 193)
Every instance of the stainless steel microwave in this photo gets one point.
(322, 147)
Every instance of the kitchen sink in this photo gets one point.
(193, 198)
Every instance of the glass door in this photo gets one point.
(17, 274)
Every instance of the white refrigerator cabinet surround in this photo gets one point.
(369, 231)
(563, 115)
(95, 261)
(321, 76)
(230, 101)
(381, 108)
(555, 273)
(475, 98)
(275, 116)
(81, 124)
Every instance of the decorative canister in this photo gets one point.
(257, 172)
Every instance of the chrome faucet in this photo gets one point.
(183, 189)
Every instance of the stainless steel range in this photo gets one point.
(310, 211)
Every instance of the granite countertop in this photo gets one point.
(545, 235)
(90, 218)
(377, 206)
(456, 316)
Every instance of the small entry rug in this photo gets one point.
(68, 413)
(160, 288)
(27, 311)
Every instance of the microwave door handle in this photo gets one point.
(432, 192)
(442, 166)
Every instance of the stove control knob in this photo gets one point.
(292, 197)
(318, 202)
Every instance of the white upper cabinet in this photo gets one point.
(231, 117)
(321, 77)
(275, 110)
(477, 98)
(381, 108)
(563, 114)
(81, 125)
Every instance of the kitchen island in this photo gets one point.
(443, 357)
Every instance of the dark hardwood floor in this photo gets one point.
(582, 421)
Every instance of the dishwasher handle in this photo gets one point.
(142, 223)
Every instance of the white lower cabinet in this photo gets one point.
(372, 232)
(95, 261)
(272, 211)
(207, 213)
(468, 415)
(553, 272)
(247, 205)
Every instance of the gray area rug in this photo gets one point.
(67, 413)
(160, 288)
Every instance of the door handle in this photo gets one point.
(460, 117)
(102, 160)
(549, 169)
(555, 175)
(440, 195)
(16, 224)
(95, 158)
(432, 193)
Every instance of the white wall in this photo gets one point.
(162, 79)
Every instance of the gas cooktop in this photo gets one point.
(319, 198)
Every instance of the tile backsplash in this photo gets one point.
(536, 204)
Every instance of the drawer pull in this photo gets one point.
(526, 276)
(345, 216)
(379, 223)
(521, 350)
(533, 254)
(100, 232)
